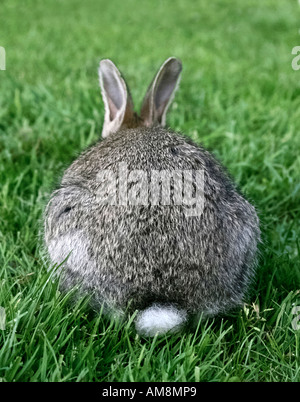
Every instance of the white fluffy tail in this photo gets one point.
(159, 319)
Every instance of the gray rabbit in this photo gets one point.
(134, 238)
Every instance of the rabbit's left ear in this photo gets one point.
(160, 93)
(117, 100)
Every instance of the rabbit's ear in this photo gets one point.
(117, 101)
(160, 93)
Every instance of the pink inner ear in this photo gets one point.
(164, 90)
(113, 89)
(113, 110)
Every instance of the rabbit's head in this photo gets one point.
(119, 110)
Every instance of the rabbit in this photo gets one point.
(165, 261)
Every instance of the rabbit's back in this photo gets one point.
(151, 252)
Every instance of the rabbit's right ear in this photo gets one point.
(117, 101)
(160, 93)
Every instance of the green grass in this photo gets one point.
(239, 97)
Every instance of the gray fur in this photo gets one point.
(128, 257)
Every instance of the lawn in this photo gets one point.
(239, 97)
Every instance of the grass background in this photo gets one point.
(239, 97)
